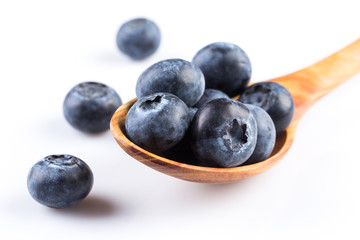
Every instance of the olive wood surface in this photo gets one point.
(306, 86)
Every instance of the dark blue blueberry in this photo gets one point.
(266, 135)
(223, 133)
(60, 181)
(138, 38)
(210, 94)
(225, 66)
(274, 99)
(176, 76)
(89, 106)
(157, 122)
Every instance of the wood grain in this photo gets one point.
(306, 87)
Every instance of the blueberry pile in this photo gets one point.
(63, 180)
(185, 110)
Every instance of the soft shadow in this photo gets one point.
(114, 58)
(92, 207)
(223, 190)
(226, 186)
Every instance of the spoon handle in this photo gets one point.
(311, 83)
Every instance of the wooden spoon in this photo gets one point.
(306, 87)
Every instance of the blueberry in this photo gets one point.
(157, 122)
(223, 133)
(266, 135)
(225, 66)
(175, 76)
(60, 181)
(89, 106)
(274, 99)
(210, 94)
(138, 38)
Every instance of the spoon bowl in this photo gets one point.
(306, 86)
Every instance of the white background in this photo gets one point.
(47, 47)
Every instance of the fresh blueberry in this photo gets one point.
(210, 94)
(266, 135)
(89, 106)
(225, 66)
(60, 181)
(274, 99)
(138, 38)
(223, 133)
(175, 76)
(157, 122)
